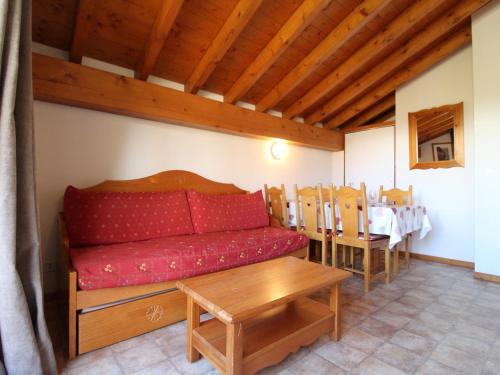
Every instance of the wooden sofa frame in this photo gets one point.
(135, 309)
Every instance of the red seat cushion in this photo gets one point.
(217, 213)
(95, 218)
(172, 258)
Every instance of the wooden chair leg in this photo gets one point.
(407, 251)
(343, 256)
(352, 256)
(324, 257)
(396, 259)
(367, 267)
(387, 264)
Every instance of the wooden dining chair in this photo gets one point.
(308, 203)
(276, 204)
(347, 200)
(400, 198)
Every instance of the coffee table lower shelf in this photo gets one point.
(269, 337)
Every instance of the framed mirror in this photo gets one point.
(437, 137)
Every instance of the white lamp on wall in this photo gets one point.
(278, 150)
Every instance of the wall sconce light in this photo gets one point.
(278, 150)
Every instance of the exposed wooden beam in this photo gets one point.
(399, 28)
(299, 20)
(436, 30)
(233, 26)
(375, 110)
(67, 83)
(385, 124)
(157, 36)
(338, 37)
(410, 71)
(82, 27)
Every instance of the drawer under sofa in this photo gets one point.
(109, 325)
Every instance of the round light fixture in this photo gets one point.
(278, 150)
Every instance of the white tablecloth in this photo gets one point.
(393, 221)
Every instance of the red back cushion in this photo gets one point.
(216, 213)
(95, 218)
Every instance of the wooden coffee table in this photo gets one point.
(261, 312)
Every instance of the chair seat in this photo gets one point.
(372, 237)
(319, 230)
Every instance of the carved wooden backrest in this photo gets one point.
(329, 200)
(396, 196)
(276, 203)
(169, 181)
(308, 202)
(347, 200)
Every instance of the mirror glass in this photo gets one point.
(436, 137)
(435, 133)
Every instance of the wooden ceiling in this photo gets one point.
(335, 62)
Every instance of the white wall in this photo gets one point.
(83, 147)
(486, 54)
(369, 158)
(448, 193)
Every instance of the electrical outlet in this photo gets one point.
(50, 266)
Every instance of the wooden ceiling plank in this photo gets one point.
(81, 31)
(413, 69)
(158, 35)
(230, 30)
(63, 82)
(443, 25)
(416, 14)
(384, 124)
(299, 20)
(375, 110)
(333, 42)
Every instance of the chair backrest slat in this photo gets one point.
(348, 199)
(396, 196)
(276, 203)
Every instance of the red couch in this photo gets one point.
(119, 241)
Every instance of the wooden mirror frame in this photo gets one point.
(458, 138)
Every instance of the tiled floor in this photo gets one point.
(432, 319)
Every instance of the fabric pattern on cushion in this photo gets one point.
(172, 258)
(95, 218)
(217, 213)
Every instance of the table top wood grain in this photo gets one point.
(237, 294)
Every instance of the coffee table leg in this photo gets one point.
(234, 349)
(336, 307)
(193, 322)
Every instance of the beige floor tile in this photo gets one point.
(421, 328)
(315, 364)
(172, 345)
(457, 359)
(182, 365)
(360, 340)
(341, 355)
(377, 328)
(467, 344)
(162, 368)
(106, 365)
(140, 357)
(393, 319)
(418, 344)
(399, 357)
(474, 332)
(373, 366)
(435, 368)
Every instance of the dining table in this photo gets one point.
(395, 221)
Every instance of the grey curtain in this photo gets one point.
(25, 346)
